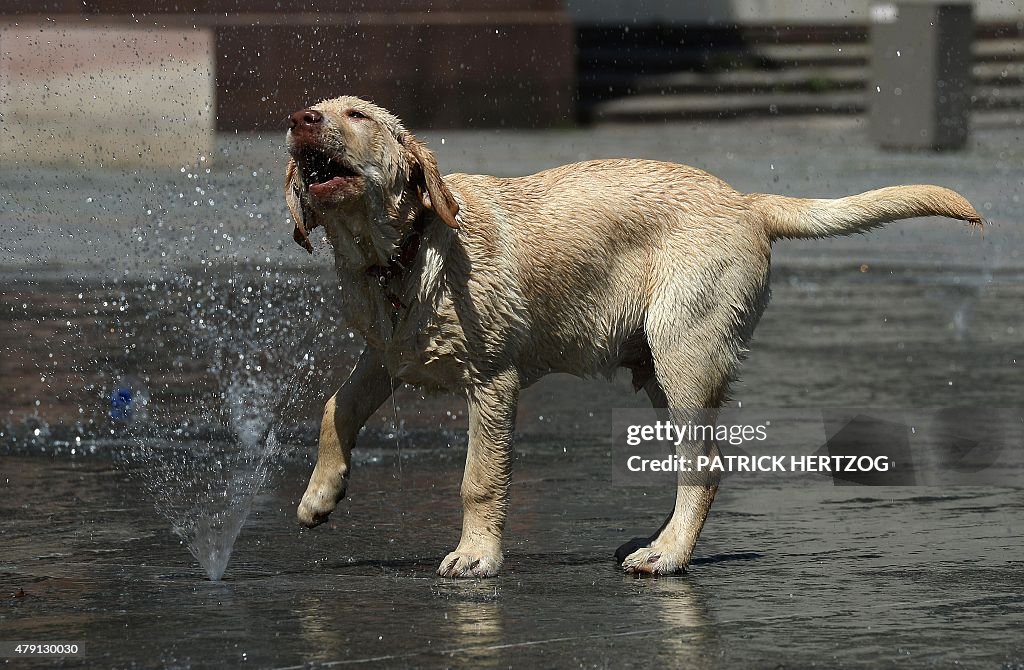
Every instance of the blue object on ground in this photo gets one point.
(121, 404)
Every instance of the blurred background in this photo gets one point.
(236, 66)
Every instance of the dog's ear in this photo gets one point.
(427, 178)
(293, 197)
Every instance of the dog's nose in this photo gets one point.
(306, 119)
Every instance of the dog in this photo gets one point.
(483, 285)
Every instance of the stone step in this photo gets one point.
(721, 106)
(810, 79)
(999, 50)
(665, 58)
(989, 80)
(1009, 98)
(679, 107)
(813, 80)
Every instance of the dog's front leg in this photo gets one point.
(492, 416)
(365, 390)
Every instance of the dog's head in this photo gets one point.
(355, 170)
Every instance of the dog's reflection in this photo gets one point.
(474, 622)
(482, 625)
(686, 631)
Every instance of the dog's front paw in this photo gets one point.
(652, 561)
(318, 502)
(470, 563)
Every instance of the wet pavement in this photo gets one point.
(793, 572)
(795, 576)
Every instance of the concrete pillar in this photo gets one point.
(920, 87)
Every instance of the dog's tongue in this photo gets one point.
(327, 187)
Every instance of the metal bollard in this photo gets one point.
(920, 87)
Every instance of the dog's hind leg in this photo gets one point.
(365, 390)
(692, 367)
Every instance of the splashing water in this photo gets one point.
(210, 530)
(207, 487)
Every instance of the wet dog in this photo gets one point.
(483, 285)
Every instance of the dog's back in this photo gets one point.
(587, 248)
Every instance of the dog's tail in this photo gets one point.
(786, 217)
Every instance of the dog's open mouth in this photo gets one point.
(325, 175)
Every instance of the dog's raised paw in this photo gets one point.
(460, 563)
(311, 518)
(317, 504)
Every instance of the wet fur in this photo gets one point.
(656, 267)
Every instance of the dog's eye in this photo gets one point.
(356, 114)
